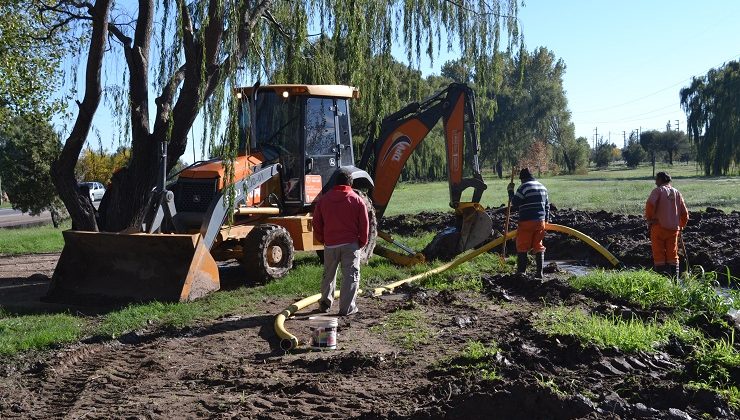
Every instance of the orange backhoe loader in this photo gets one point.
(292, 140)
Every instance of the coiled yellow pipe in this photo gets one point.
(289, 341)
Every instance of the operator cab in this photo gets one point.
(304, 128)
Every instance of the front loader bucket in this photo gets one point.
(118, 267)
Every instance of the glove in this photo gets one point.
(510, 187)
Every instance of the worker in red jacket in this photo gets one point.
(340, 222)
(666, 214)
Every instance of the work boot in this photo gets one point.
(671, 270)
(539, 258)
(521, 262)
(660, 269)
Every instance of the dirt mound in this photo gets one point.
(712, 237)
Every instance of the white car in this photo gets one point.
(97, 190)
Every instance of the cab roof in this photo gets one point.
(334, 91)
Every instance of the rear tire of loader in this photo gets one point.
(268, 252)
(372, 237)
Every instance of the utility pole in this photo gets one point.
(624, 139)
(1, 190)
(596, 137)
(668, 126)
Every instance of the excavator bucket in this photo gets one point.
(118, 267)
(473, 227)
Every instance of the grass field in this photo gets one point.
(617, 190)
(33, 240)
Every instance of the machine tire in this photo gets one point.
(268, 252)
(372, 236)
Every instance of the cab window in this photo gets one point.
(320, 127)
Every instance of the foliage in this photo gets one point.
(712, 107)
(633, 154)
(672, 142)
(603, 154)
(627, 335)
(28, 145)
(536, 158)
(29, 60)
(528, 104)
(100, 166)
(200, 50)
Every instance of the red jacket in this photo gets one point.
(340, 217)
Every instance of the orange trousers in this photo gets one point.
(529, 236)
(665, 245)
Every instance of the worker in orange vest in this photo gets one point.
(666, 214)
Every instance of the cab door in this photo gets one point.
(323, 152)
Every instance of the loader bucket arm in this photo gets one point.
(400, 135)
(403, 131)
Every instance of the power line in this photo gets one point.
(655, 92)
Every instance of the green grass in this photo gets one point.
(713, 361)
(408, 328)
(627, 335)
(176, 315)
(647, 289)
(303, 280)
(477, 358)
(33, 240)
(617, 190)
(643, 287)
(26, 332)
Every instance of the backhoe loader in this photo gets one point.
(292, 138)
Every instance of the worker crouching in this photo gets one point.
(666, 215)
(533, 204)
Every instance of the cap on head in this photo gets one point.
(524, 174)
(663, 177)
(343, 177)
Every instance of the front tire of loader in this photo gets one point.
(268, 252)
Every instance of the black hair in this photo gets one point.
(663, 177)
(343, 177)
(525, 174)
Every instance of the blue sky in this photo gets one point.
(627, 60)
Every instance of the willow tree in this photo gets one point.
(712, 106)
(184, 57)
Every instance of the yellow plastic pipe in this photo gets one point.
(289, 341)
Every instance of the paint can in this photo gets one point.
(323, 333)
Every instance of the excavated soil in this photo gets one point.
(711, 238)
(234, 368)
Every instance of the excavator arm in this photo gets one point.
(402, 132)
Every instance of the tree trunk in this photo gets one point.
(54, 217)
(62, 170)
